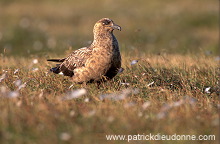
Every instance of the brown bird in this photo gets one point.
(98, 62)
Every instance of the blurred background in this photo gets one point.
(49, 27)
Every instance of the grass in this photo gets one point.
(38, 115)
(176, 45)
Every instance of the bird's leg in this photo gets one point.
(98, 84)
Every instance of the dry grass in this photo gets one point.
(39, 115)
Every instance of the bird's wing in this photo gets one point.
(76, 59)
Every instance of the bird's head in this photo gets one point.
(106, 24)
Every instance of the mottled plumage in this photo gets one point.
(99, 61)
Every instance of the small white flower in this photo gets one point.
(16, 71)
(76, 94)
(2, 77)
(119, 95)
(65, 136)
(126, 84)
(150, 84)
(22, 86)
(146, 105)
(35, 61)
(207, 90)
(86, 100)
(35, 69)
(120, 70)
(134, 62)
(71, 86)
(72, 113)
(17, 83)
(13, 94)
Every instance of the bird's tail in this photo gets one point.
(55, 70)
(56, 60)
(60, 69)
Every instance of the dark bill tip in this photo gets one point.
(116, 27)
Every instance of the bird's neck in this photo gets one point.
(103, 39)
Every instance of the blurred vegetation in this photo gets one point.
(31, 27)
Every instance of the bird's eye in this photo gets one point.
(106, 22)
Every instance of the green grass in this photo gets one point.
(176, 43)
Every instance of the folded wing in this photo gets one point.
(76, 59)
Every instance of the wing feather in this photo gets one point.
(56, 60)
(76, 59)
